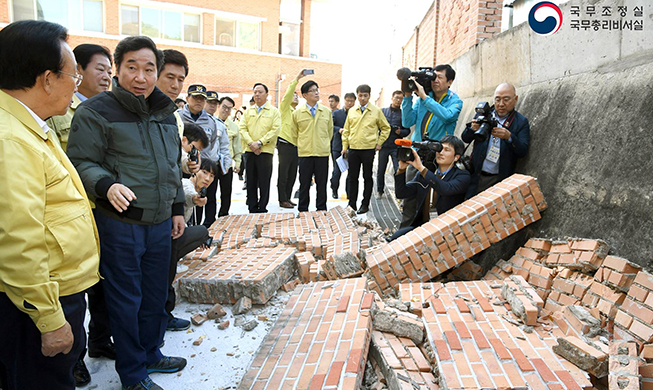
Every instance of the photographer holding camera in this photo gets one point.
(440, 180)
(434, 114)
(495, 155)
(194, 236)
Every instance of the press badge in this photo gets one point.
(493, 153)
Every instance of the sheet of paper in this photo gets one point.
(343, 164)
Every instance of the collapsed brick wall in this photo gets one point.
(457, 235)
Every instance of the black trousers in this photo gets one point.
(99, 330)
(335, 174)
(226, 183)
(309, 167)
(259, 173)
(211, 204)
(192, 238)
(24, 366)
(358, 158)
(384, 155)
(409, 208)
(288, 162)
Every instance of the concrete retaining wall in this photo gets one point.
(589, 99)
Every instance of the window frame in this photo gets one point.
(68, 26)
(161, 26)
(236, 32)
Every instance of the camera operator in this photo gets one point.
(194, 137)
(434, 115)
(494, 159)
(449, 183)
(389, 148)
(194, 235)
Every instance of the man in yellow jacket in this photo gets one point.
(364, 132)
(312, 127)
(287, 147)
(48, 238)
(259, 128)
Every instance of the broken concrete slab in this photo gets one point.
(524, 301)
(586, 356)
(216, 312)
(198, 319)
(397, 322)
(233, 274)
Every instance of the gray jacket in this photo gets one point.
(118, 137)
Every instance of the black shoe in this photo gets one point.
(176, 324)
(167, 365)
(334, 194)
(107, 350)
(363, 210)
(81, 374)
(145, 384)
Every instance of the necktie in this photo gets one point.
(362, 110)
(313, 111)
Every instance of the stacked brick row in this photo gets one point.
(403, 363)
(477, 342)
(634, 319)
(457, 235)
(320, 341)
(624, 366)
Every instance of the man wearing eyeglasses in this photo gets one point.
(312, 128)
(50, 245)
(495, 158)
(94, 71)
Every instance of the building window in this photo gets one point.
(289, 38)
(83, 15)
(236, 33)
(160, 23)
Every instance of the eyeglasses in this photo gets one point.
(78, 77)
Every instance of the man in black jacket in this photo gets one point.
(126, 147)
(448, 183)
(495, 158)
(339, 118)
(389, 148)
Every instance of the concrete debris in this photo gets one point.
(242, 306)
(199, 340)
(250, 325)
(523, 300)
(399, 323)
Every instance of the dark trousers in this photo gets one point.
(358, 158)
(211, 204)
(193, 237)
(99, 330)
(259, 174)
(288, 162)
(226, 183)
(485, 182)
(409, 208)
(243, 165)
(23, 365)
(309, 167)
(335, 174)
(384, 154)
(134, 260)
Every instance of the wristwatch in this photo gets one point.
(260, 144)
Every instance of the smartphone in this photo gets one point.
(308, 71)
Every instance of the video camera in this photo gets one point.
(424, 76)
(202, 192)
(485, 119)
(426, 151)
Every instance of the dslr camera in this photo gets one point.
(485, 119)
(202, 192)
(194, 154)
(424, 76)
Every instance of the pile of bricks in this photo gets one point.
(634, 319)
(320, 340)
(457, 235)
(477, 342)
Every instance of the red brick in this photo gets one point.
(334, 374)
(500, 349)
(317, 382)
(620, 264)
(443, 350)
(546, 374)
(568, 380)
(644, 332)
(521, 360)
(452, 339)
(644, 279)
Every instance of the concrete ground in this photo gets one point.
(224, 355)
